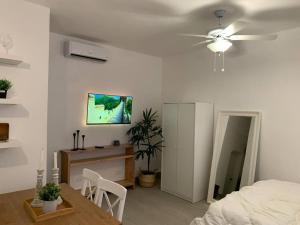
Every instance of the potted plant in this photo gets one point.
(49, 195)
(5, 85)
(148, 138)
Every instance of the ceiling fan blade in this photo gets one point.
(268, 37)
(234, 28)
(202, 42)
(195, 35)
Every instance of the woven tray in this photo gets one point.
(38, 215)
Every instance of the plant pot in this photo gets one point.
(147, 180)
(49, 206)
(3, 94)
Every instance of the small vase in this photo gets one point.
(3, 94)
(49, 206)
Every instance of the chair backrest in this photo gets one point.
(105, 186)
(89, 186)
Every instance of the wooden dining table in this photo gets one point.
(12, 211)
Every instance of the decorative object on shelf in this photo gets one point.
(148, 138)
(77, 142)
(116, 142)
(4, 132)
(74, 141)
(6, 42)
(39, 184)
(49, 195)
(99, 146)
(5, 85)
(83, 137)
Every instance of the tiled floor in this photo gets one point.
(154, 207)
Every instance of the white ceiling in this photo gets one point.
(151, 26)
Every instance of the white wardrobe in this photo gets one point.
(186, 157)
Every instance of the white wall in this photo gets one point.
(125, 73)
(28, 24)
(265, 78)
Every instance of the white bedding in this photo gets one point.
(267, 202)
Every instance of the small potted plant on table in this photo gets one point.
(148, 138)
(49, 195)
(5, 85)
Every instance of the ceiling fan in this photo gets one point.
(220, 39)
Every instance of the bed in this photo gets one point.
(269, 202)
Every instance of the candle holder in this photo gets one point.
(55, 176)
(83, 137)
(77, 141)
(55, 180)
(74, 141)
(37, 202)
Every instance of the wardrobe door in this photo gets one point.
(185, 151)
(169, 153)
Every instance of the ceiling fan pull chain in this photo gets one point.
(215, 62)
(223, 62)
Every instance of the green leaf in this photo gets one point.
(146, 135)
(50, 192)
(5, 85)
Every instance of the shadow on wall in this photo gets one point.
(12, 157)
(20, 112)
(22, 65)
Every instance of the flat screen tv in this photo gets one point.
(108, 109)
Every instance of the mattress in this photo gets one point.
(269, 202)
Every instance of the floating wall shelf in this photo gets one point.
(9, 101)
(12, 143)
(10, 59)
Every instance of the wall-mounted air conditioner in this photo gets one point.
(86, 51)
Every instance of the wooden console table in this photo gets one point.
(69, 158)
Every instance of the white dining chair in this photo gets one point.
(89, 186)
(106, 186)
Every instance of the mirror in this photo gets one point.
(235, 152)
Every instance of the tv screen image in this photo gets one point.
(109, 109)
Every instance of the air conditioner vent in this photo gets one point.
(88, 57)
(86, 51)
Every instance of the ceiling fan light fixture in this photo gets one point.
(220, 45)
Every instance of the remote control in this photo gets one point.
(97, 146)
